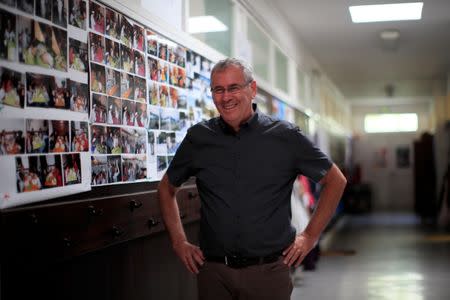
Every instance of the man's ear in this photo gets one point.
(254, 88)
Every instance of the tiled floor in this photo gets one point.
(395, 259)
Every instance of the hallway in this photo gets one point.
(394, 258)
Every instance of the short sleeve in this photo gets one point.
(310, 160)
(180, 169)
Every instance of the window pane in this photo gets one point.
(260, 50)
(301, 86)
(281, 70)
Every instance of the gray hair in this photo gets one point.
(245, 67)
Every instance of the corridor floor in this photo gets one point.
(394, 258)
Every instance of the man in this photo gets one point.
(245, 164)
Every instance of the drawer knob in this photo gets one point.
(33, 218)
(152, 222)
(94, 211)
(134, 204)
(67, 242)
(192, 195)
(116, 231)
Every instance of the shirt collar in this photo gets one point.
(248, 124)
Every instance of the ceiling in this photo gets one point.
(355, 58)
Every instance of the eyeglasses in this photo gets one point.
(231, 89)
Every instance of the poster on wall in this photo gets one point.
(44, 101)
(402, 155)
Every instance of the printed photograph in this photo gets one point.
(126, 85)
(139, 63)
(98, 78)
(153, 68)
(26, 6)
(126, 31)
(98, 139)
(114, 140)
(79, 95)
(163, 71)
(60, 93)
(78, 55)
(114, 111)
(59, 136)
(161, 164)
(152, 43)
(153, 117)
(72, 168)
(153, 93)
(173, 97)
(127, 56)
(129, 140)
(80, 136)
(12, 88)
(97, 46)
(141, 115)
(134, 167)
(37, 136)
(112, 28)
(35, 173)
(25, 31)
(114, 168)
(183, 122)
(182, 99)
(205, 67)
(8, 38)
(169, 119)
(11, 3)
(38, 89)
(166, 143)
(138, 38)
(140, 89)
(59, 14)
(77, 13)
(151, 142)
(12, 138)
(171, 53)
(141, 141)
(98, 112)
(112, 82)
(180, 56)
(97, 17)
(164, 100)
(128, 112)
(99, 166)
(189, 64)
(162, 50)
(112, 54)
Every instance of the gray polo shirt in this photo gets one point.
(245, 182)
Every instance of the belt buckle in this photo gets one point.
(236, 262)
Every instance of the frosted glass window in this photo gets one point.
(390, 123)
(260, 46)
(281, 71)
(222, 13)
(301, 86)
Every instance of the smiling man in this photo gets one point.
(245, 163)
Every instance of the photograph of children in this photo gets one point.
(114, 168)
(72, 168)
(60, 93)
(12, 88)
(112, 23)
(161, 163)
(197, 61)
(98, 112)
(153, 68)
(151, 142)
(182, 99)
(138, 38)
(78, 55)
(26, 6)
(98, 139)
(98, 78)
(164, 96)
(205, 67)
(114, 111)
(168, 139)
(127, 56)
(180, 78)
(169, 119)
(183, 122)
(114, 140)
(162, 50)
(140, 89)
(80, 136)
(37, 136)
(153, 117)
(24, 30)
(180, 56)
(126, 31)
(112, 54)
(134, 167)
(38, 89)
(128, 112)
(97, 46)
(189, 64)
(126, 85)
(12, 139)
(79, 95)
(8, 38)
(35, 173)
(11, 3)
(77, 13)
(97, 17)
(99, 167)
(48, 47)
(60, 12)
(59, 136)
(163, 71)
(153, 93)
(129, 140)
(112, 82)
(139, 63)
(173, 97)
(152, 43)
(171, 53)
(141, 141)
(141, 115)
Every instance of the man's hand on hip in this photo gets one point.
(296, 252)
(190, 255)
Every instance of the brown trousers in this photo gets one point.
(216, 281)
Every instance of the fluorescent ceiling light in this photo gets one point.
(205, 24)
(386, 12)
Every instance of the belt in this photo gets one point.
(238, 262)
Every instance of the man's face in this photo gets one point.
(234, 101)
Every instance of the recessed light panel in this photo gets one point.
(386, 12)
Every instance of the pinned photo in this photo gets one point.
(98, 139)
(114, 168)
(152, 43)
(99, 165)
(97, 46)
(173, 97)
(98, 78)
(97, 17)
(180, 56)
(153, 68)
(35, 173)
(153, 117)
(140, 89)
(129, 139)
(12, 88)
(79, 95)
(80, 136)
(127, 56)
(134, 167)
(98, 112)
(182, 99)
(128, 112)
(77, 13)
(177, 76)
(112, 82)
(141, 115)
(25, 30)
(162, 51)
(37, 136)
(8, 38)
(126, 86)
(59, 13)
(38, 89)
(190, 64)
(59, 136)
(114, 111)
(163, 71)
(138, 38)
(72, 168)
(112, 28)
(169, 119)
(153, 93)
(161, 165)
(60, 93)
(164, 96)
(151, 142)
(78, 55)
(112, 54)
(139, 64)
(12, 139)
(26, 6)
(114, 140)
(126, 31)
